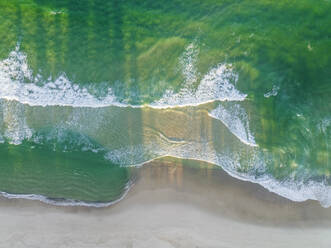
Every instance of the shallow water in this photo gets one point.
(95, 86)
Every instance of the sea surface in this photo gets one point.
(90, 89)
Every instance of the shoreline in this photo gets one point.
(169, 207)
(70, 202)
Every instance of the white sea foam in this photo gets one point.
(235, 118)
(188, 62)
(54, 12)
(67, 202)
(325, 124)
(294, 190)
(215, 86)
(60, 137)
(231, 162)
(273, 92)
(14, 121)
(134, 155)
(18, 83)
(299, 191)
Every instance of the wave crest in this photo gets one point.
(18, 83)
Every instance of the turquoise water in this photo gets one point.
(64, 178)
(90, 88)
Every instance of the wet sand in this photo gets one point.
(172, 204)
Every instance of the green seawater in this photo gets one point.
(89, 88)
(70, 176)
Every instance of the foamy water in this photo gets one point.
(235, 118)
(273, 92)
(18, 86)
(216, 85)
(66, 202)
(18, 83)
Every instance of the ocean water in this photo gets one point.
(90, 89)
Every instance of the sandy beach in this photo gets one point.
(172, 205)
(165, 124)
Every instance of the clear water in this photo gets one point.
(89, 88)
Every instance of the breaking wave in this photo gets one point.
(18, 83)
(241, 157)
(235, 118)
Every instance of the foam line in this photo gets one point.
(66, 202)
(18, 83)
(235, 119)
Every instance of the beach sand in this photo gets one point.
(172, 204)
